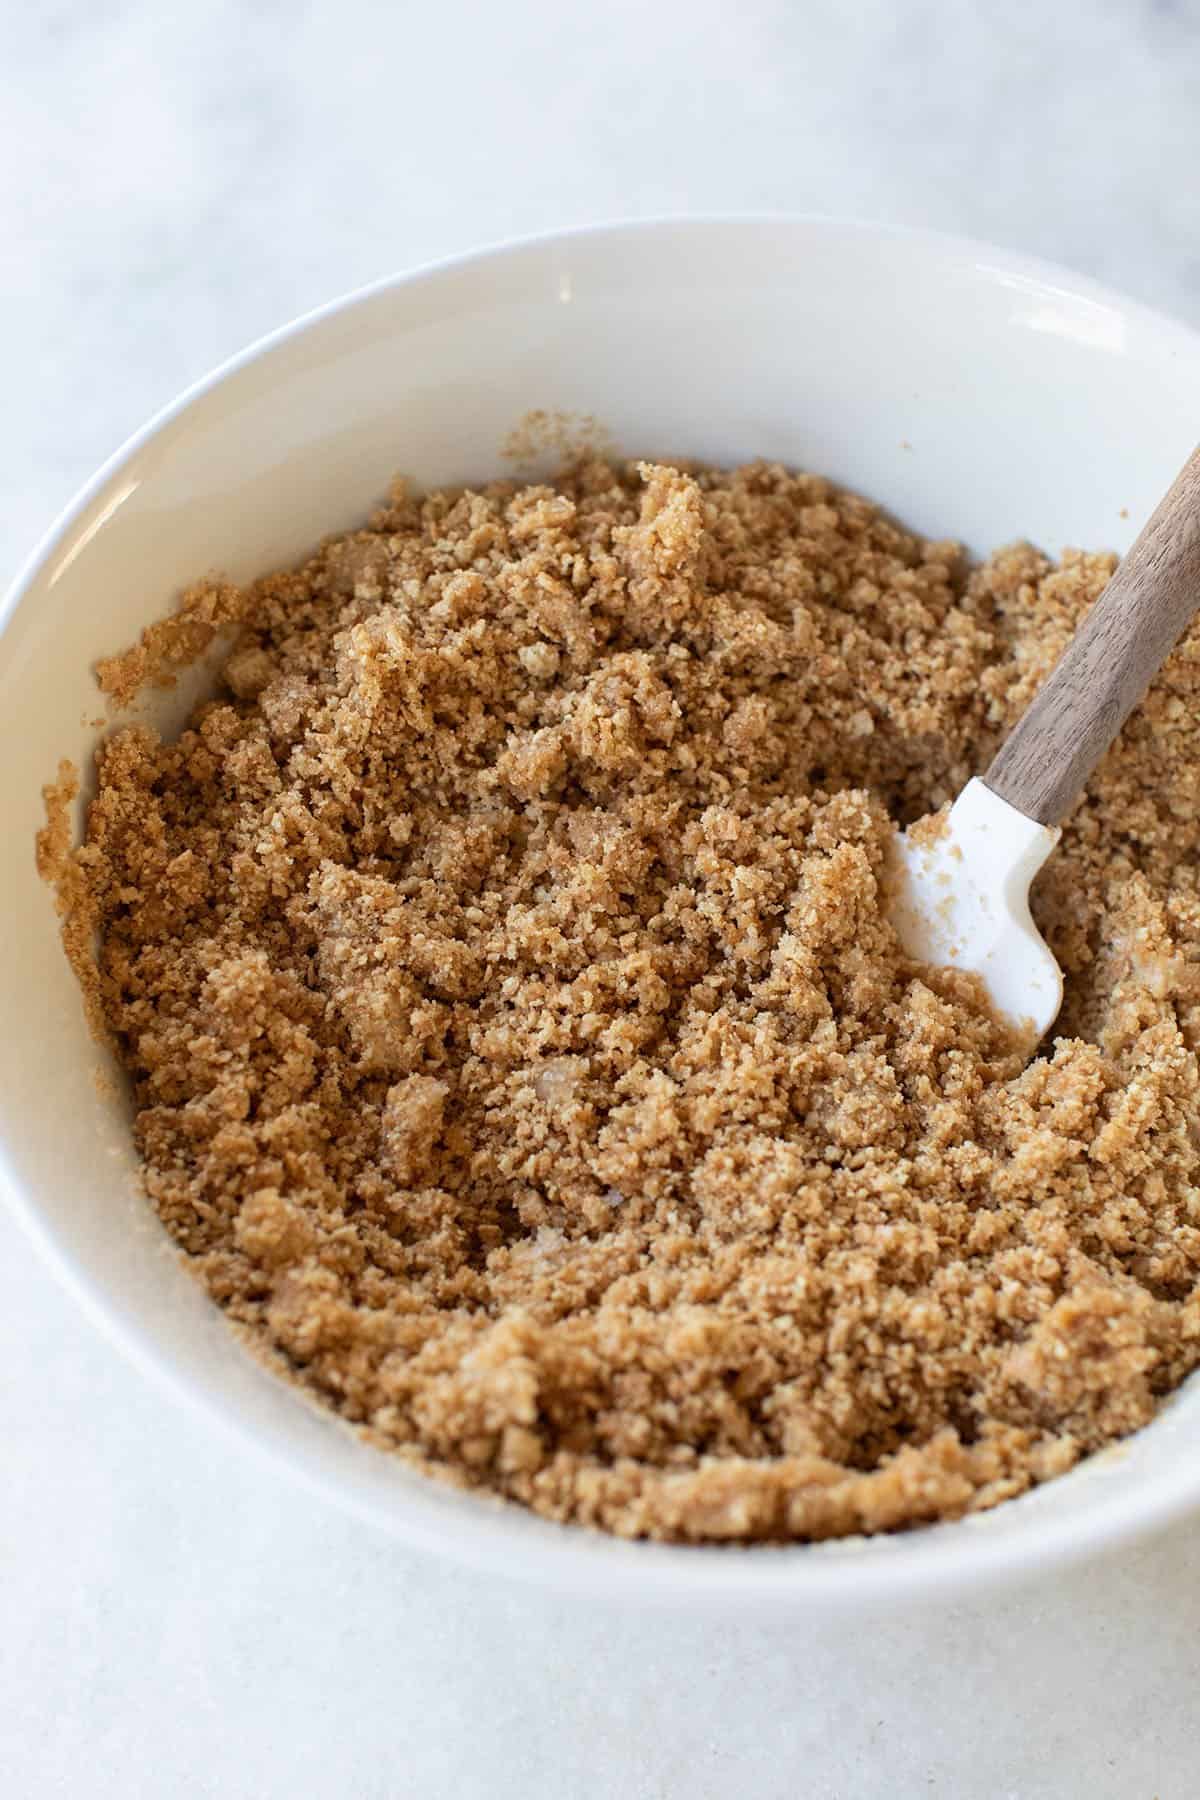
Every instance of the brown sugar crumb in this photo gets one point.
(561, 435)
(65, 868)
(171, 644)
(521, 1052)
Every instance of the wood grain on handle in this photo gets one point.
(1110, 662)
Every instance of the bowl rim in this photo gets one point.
(932, 1562)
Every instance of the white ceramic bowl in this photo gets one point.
(975, 393)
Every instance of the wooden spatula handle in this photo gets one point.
(1110, 662)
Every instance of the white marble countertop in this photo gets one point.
(176, 181)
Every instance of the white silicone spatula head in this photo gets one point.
(961, 899)
(960, 896)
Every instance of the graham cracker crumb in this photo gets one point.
(550, 432)
(172, 644)
(66, 870)
(521, 1052)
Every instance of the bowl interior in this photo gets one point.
(976, 395)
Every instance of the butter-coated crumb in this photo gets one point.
(522, 1057)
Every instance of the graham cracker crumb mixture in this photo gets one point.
(521, 1054)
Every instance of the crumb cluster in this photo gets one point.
(520, 1052)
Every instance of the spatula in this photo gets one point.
(961, 893)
